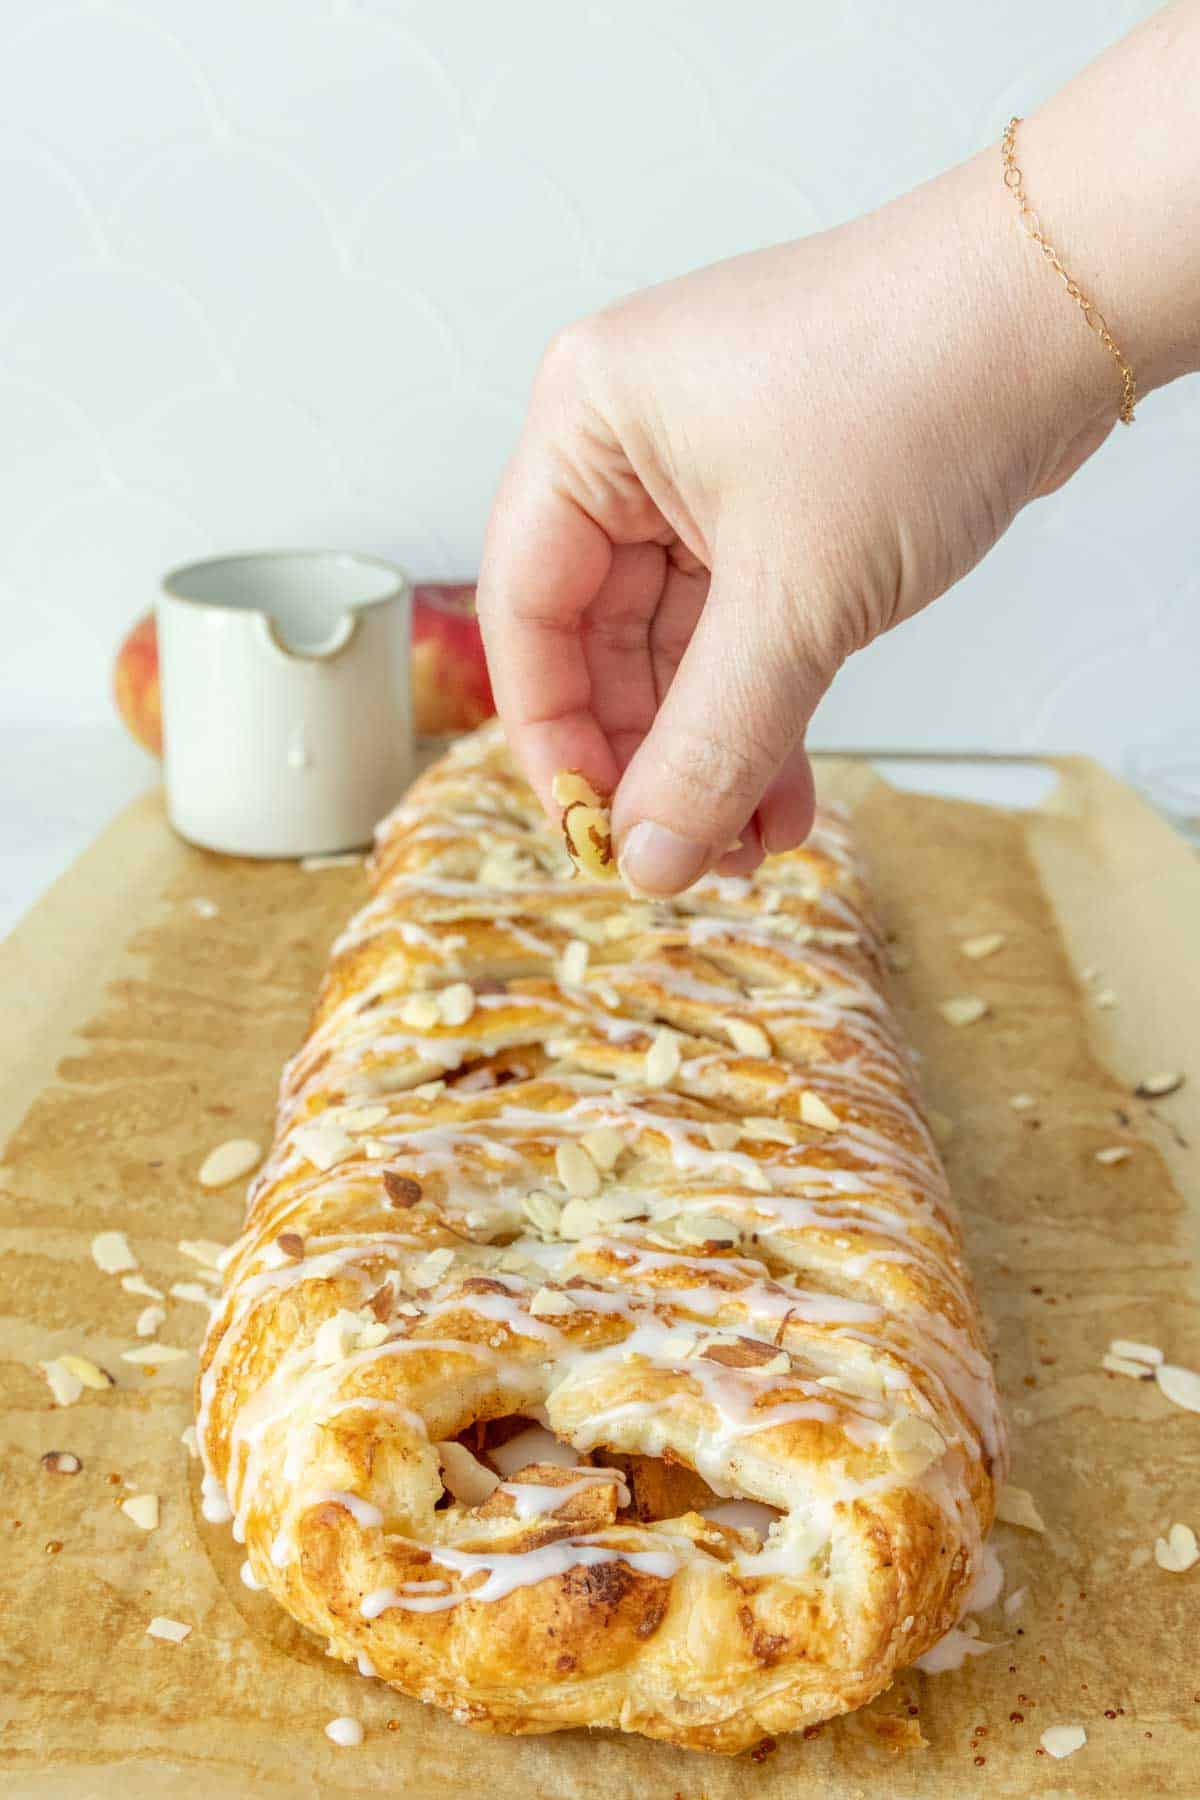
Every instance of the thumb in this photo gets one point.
(731, 722)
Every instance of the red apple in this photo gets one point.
(135, 685)
(450, 686)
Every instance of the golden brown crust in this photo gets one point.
(639, 1188)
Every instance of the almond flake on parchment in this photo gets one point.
(154, 1354)
(228, 1161)
(1178, 1551)
(1157, 1087)
(963, 1009)
(1063, 1740)
(191, 1290)
(136, 1284)
(171, 1630)
(189, 1440)
(1125, 1365)
(204, 1250)
(143, 1510)
(1116, 1153)
(987, 944)
(91, 1375)
(111, 1253)
(61, 1462)
(1022, 1102)
(1182, 1386)
(65, 1386)
(1142, 1353)
(1014, 1506)
(149, 1320)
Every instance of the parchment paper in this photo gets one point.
(137, 1034)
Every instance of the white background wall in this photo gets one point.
(278, 271)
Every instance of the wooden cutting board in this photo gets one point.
(140, 1027)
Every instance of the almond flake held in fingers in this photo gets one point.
(1157, 1087)
(570, 788)
(143, 1510)
(1178, 1551)
(1181, 1386)
(172, 1630)
(976, 948)
(814, 1112)
(1014, 1505)
(587, 831)
(1142, 1353)
(963, 1009)
(111, 1253)
(228, 1162)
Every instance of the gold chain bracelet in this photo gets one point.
(1014, 181)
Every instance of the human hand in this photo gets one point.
(729, 483)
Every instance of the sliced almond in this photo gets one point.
(1063, 1740)
(1125, 1365)
(663, 1058)
(204, 1250)
(150, 1318)
(154, 1354)
(572, 964)
(579, 1219)
(750, 1039)
(193, 1291)
(543, 1212)
(228, 1162)
(577, 1172)
(87, 1371)
(913, 1444)
(322, 1142)
(464, 1476)
(65, 1386)
(456, 1003)
(143, 1510)
(587, 830)
(1178, 1551)
(136, 1284)
(570, 788)
(61, 1462)
(604, 1145)
(1142, 1353)
(706, 1228)
(771, 1131)
(1106, 998)
(976, 948)
(1022, 1102)
(1014, 1506)
(421, 1012)
(551, 1303)
(963, 1009)
(111, 1253)
(1156, 1087)
(189, 1440)
(814, 1112)
(362, 1118)
(171, 1630)
(1117, 1153)
(722, 1135)
(433, 1268)
(1181, 1386)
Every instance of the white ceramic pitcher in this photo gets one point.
(287, 715)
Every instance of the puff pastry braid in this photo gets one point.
(600, 1350)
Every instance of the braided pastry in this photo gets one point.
(599, 1350)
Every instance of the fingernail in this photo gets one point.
(657, 860)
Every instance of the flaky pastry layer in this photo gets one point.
(599, 1349)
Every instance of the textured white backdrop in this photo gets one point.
(278, 271)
